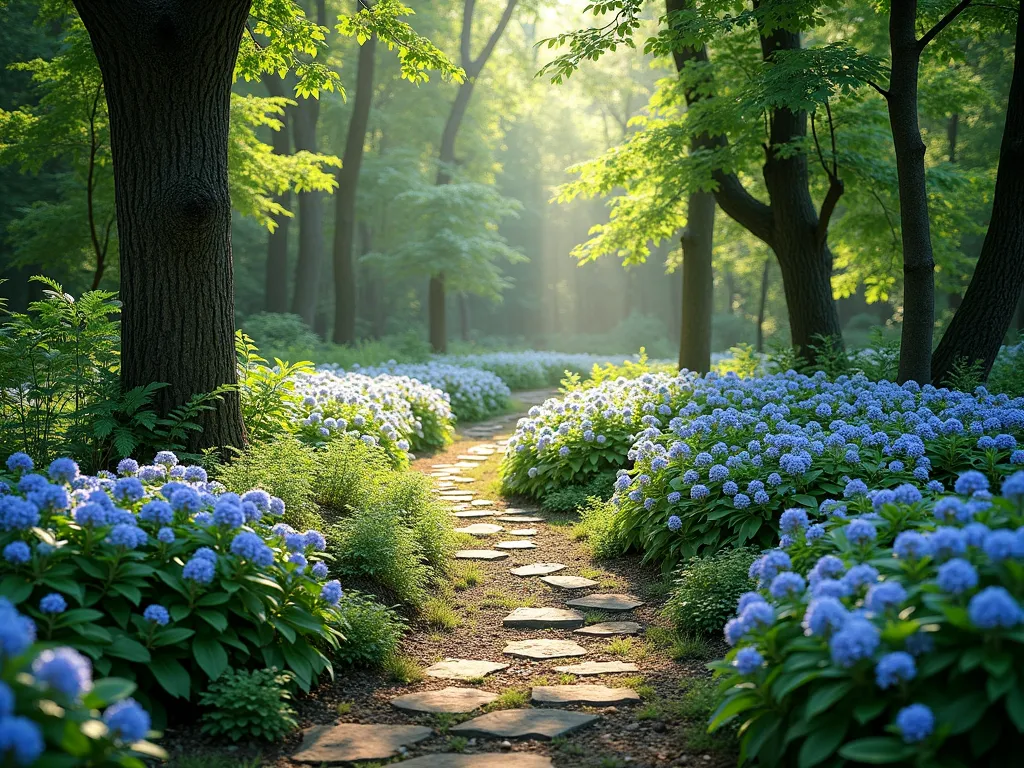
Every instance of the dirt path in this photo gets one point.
(526, 712)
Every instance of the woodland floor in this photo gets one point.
(665, 727)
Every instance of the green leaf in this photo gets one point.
(172, 636)
(1015, 707)
(125, 648)
(108, 690)
(211, 656)
(877, 750)
(15, 588)
(821, 744)
(171, 675)
(216, 620)
(826, 696)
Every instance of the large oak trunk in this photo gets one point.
(345, 199)
(167, 68)
(980, 324)
(698, 283)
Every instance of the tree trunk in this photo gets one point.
(436, 315)
(276, 285)
(918, 264)
(167, 68)
(311, 211)
(345, 198)
(981, 322)
(698, 283)
(762, 306)
(464, 316)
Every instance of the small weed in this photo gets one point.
(629, 647)
(639, 684)
(440, 614)
(402, 669)
(592, 573)
(566, 679)
(562, 744)
(694, 647)
(495, 599)
(595, 617)
(467, 575)
(458, 743)
(344, 708)
(698, 699)
(541, 681)
(514, 698)
(651, 711)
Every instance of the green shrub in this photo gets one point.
(572, 498)
(279, 333)
(242, 704)
(429, 518)
(268, 397)
(284, 468)
(1007, 374)
(707, 589)
(372, 631)
(347, 475)
(598, 524)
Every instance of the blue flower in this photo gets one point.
(907, 494)
(165, 536)
(53, 603)
(860, 575)
(276, 506)
(157, 614)
(881, 597)
(205, 553)
(126, 467)
(994, 607)
(1000, 545)
(128, 489)
(787, 585)
(815, 532)
(21, 740)
(951, 509)
(228, 512)
(199, 570)
(63, 470)
(699, 492)
(315, 540)
(747, 598)
(127, 720)
(911, 545)
(915, 723)
(17, 514)
(185, 499)
(774, 479)
(674, 523)
(195, 474)
(674, 497)
(860, 532)
(857, 639)
(17, 553)
(20, 462)
(748, 661)
(947, 542)
(769, 565)
(827, 567)
(793, 520)
(824, 616)
(319, 570)
(166, 459)
(331, 592)
(1013, 487)
(757, 615)
(64, 670)
(893, 668)
(969, 482)
(158, 512)
(127, 535)
(855, 488)
(761, 497)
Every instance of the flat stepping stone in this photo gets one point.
(452, 700)
(462, 480)
(463, 669)
(491, 760)
(457, 499)
(524, 532)
(473, 457)
(568, 582)
(348, 742)
(525, 724)
(598, 668)
(481, 529)
(537, 569)
(607, 602)
(522, 544)
(507, 518)
(543, 648)
(442, 466)
(482, 503)
(543, 618)
(609, 628)
(480, 554)
(518, 511)
(476, 513)
(592, 695)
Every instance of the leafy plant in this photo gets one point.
(372, 630)
(707, 589)
(572, 498)
(269, 401)
(244, 704)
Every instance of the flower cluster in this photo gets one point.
(173, 555)
(903, 618)
(530, 369)
(397, 413)
(31, 734)
(722, 457)
(474, 394)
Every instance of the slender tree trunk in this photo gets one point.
(276, 283)
(918, 264)
(464, 316)
(345, 198)
(698, 283)
(980, 324)
(446, 157)
(167, 69)
(762, 306)
(305, 298)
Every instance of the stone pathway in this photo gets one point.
(476, 667)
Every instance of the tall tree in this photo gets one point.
(345, 198)
(918, 262)
(446, 157)
(276, 283)
(980, 324)
(309, 264)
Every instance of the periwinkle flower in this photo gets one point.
(915, 723)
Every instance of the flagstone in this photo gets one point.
(610, 628)
(525, 724)
(452, 700)
(521, 544)
(607, 602)
(480, 554)
(598, 668)
(568, 582)
(463, 669)
(537, 569)
(544, 648)
(480, 529)
(543, 618)
(590, 695)
(348, 742)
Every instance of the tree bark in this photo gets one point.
(446, 155)
(345, 198)
(311, 211)
(980, 324)
(276, 283)
(918, 263)
(762, 307)
(167, 68)
(698, 284)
